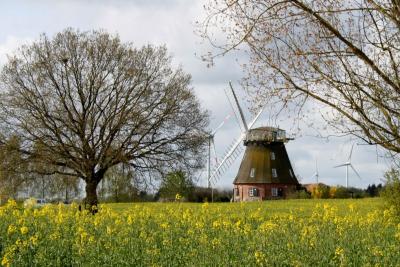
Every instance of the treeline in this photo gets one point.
(17, 181)
(322, 191)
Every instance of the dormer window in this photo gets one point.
(252, 172)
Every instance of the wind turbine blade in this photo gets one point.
(355, 171)
(341, 165)
(351, 152)
(220, 125)
(240, 109)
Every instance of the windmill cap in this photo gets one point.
(265, 135)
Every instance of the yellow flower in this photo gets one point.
(178, 197)
(109, 230)
(267, 226)
(260, 257)
(129, 220)
(11, 229)
(351, 207)
(91, 239)
(164, 225)
(24, 230)
(339, 252)
(215, 243)
(5, 261)
(33, 239)
(11, 204)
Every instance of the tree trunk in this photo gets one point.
(91, 200)
(66, 194)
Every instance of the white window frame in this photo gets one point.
(273, 156)
(253, 192)
(274, 191)
(274, 173)
(291, 173)
(252, 172)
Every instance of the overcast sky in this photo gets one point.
(171, 23)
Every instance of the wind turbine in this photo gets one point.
(211, 145)
(316, 174)
(234, 149)
(347, 164)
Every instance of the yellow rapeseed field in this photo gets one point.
(272, 233)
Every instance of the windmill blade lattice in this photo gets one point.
(230, 156)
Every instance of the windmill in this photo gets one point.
(265, 170)
(348, 164)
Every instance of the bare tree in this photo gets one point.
(83, 102)
(342, 55)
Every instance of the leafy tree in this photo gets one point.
(320, 191)
(118, 185)
(391, 192)
(343, 56)
(373, 190)
(176, 183)
(90, 102)
(351, 192)
(12, 168)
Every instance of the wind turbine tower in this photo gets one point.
(348, 164)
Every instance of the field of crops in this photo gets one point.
(274, 233)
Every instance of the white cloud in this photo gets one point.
(9, 46)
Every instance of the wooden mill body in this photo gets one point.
(265, 171)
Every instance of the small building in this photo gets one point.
(265, 171)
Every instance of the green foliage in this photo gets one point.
(176, 183)
(119, 185)
(351, 192)
(320, 191)
(391, 193)
(299, 194)
(374, 190)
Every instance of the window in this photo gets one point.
(272, 156)
(274, 192)
(274, 173)
(252, 172)
(253, 192)
(291, 173)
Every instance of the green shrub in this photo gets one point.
(391, 192)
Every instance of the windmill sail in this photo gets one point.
(228, 159)
(232, 153)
